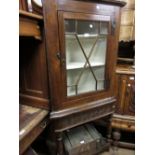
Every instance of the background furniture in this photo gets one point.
(123, 118)
(33, 82)
(127, 27)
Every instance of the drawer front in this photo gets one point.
(123, 124)
(30, 28)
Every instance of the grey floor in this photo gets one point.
(120, 151)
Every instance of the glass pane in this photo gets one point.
(86, 47)
(74, 56)
(99, 52)
(103, 28)
(87, 82)
(70, 26)
(87, 27)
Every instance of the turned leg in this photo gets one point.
(109, 130)
(60, 148)
(51, 141)
(116, 137)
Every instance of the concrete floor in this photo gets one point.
(120, 151)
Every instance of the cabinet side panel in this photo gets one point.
(33, 73)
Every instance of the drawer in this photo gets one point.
(29, 28)
(123, 124)
(128, 125)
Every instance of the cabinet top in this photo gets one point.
(113, 2)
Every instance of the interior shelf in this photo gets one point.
(78, 65)
(29, 24)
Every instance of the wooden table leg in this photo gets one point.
(109, 130)
(60, 148)
(116, 137)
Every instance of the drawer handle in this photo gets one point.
(43, 125)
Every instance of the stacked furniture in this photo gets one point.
(124, 117)
(33, 82)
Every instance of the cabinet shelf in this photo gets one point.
(29, 25)
(79, 65)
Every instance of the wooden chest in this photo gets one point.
(83, 140)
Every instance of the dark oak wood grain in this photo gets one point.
(68, 112)
(29, 25)
(32, 121)
(125, 106)
(33, 74)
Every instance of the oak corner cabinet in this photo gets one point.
(81, 42)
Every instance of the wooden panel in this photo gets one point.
(126, 33)
(124, 78)
(74, 116)
(32, 67)
(125, 69)
(34, 101)
(124, 123)
(125, 105)
(127, 21)
(29, 25)
(33, 73)
(29, 28)
(127, 17)
(23, 5)
(120, 93)
(85, 7)
(129, 108)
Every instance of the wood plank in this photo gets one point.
(29, 24)
(125, 69)
(29, 117)
(30, 15)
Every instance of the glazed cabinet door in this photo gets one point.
(84, 53)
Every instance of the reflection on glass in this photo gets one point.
(86, 46)
(70, 26)
(87, 27)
